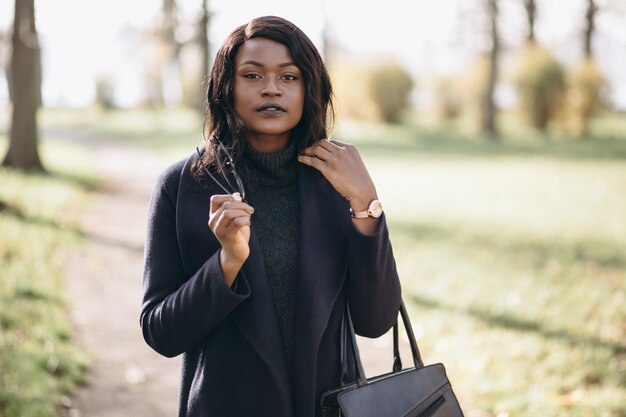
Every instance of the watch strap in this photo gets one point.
(359, 214)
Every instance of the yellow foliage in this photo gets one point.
(447, 97)
(351, 96)
(587, 86)
(471, 86)
(377, 91)
(541, 86)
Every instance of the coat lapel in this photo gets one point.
(255, 317)
(322, 264)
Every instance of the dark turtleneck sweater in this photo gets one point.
(271, 181)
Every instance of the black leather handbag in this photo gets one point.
(420, 391)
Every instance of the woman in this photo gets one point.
(251, 283)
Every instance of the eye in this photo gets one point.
(252, 76)
(289, 77)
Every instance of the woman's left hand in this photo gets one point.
(343, 167)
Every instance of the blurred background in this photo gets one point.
(495, 131)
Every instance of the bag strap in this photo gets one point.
(397, 360)
(417, 357)
(343, 351)
(347, 332)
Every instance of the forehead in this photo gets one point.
(264, 51)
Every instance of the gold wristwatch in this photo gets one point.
(375, 210)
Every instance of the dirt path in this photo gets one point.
(128, 379)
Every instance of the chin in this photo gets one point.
(271, 130)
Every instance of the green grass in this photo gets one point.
(39, 361)
(513, 261)
(174, 133)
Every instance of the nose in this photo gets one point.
(270, 88)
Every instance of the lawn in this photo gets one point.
(513, 260)
(39, 361)
(512, 255)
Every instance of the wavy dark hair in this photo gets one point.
(221, 123)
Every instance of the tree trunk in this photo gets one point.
(589, 27)
(205, 21)
(169, 22)
(531, 15)
(326, 43)
(25, 79)
(488, 116)
(170, 71)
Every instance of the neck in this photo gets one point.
(268, 143)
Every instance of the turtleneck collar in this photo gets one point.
(270, 169)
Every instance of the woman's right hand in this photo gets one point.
(229, 220)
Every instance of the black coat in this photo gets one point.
(234, 363)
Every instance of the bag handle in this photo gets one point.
(347, 331)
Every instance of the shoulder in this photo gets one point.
(173, 173)
(174, 176)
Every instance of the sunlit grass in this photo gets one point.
(513, 260)
(39, 361)
(173, 133)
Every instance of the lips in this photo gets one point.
(271, 109)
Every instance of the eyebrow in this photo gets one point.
(259, 64)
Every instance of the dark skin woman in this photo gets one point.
(295, 232)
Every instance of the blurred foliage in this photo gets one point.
(39, 361)
(389, 87)
(193, 82)
(471, 86)
(586, 96)
(540, 81)
(447, 98)
(105, 98)
(377, 91)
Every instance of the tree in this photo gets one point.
(389, 87)
(488, 105)
(540, 82)
(165, 69)
(205, 21)
(586, 81)
(25, 89)
(589, 27)
(531, 16)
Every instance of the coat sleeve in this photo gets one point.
(373, 286)
(177, 310)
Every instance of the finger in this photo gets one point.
(241, 222)
(340, 143)
(348, 150)
(330, 145)
(234, 205)
(318, 142)
(229, 209)
(319, 152)
(221, 224)
(218, 199)
(228, 226)
(229, 232)
(224, 215)
(313, 161)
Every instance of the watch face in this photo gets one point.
(375, 209)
